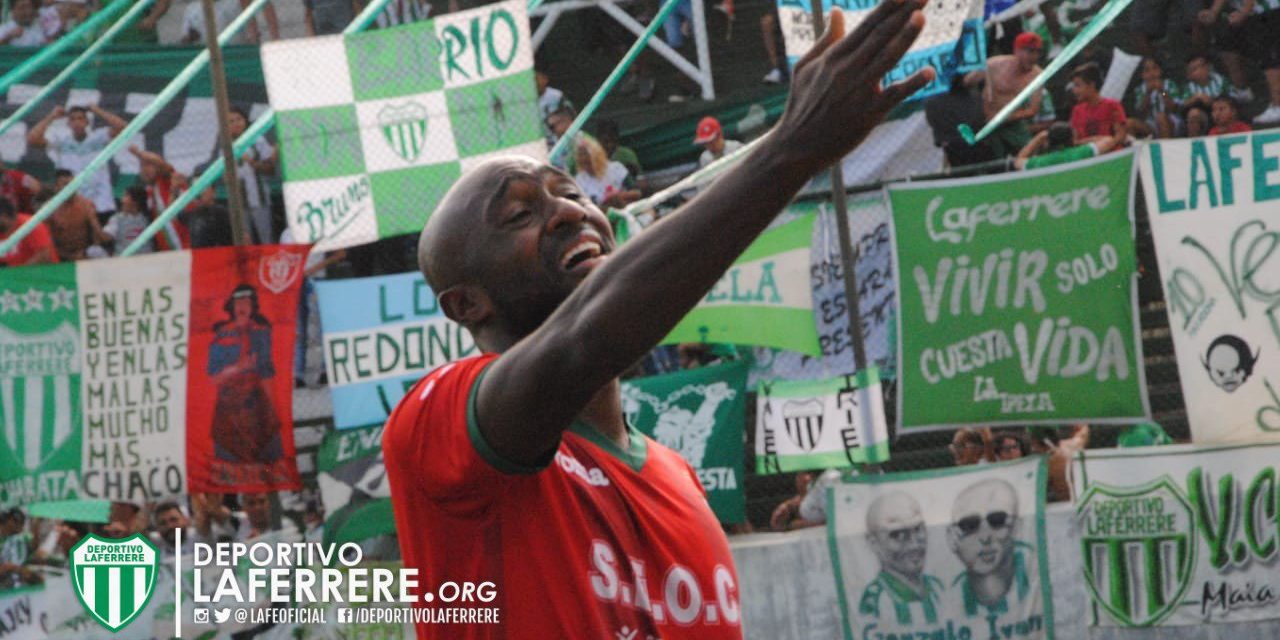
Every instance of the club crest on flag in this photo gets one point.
(33, 437)
(804, 423)
(277, 271)
(1117, 556)
(405, 129)
(114, 579)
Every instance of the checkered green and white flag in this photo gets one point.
(374, 127)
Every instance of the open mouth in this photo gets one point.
(586, 250)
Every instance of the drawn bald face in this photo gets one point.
(983, 520)
(896, 532)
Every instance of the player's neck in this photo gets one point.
(604, 414)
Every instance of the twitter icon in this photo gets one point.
(221, 615)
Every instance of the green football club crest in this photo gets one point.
(405, 129)
(114, 579)
(1139, 549)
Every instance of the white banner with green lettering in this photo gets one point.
(764, 299)
(375, 127)
(1180, 535)
(947, 553)
(1017, 298)
(820, 424)
(1214, 205)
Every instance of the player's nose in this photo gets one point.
(566, 212)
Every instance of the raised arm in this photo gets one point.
(35, 137)
(535, 390)
(115, 123)
(151, 157)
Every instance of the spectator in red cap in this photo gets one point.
(1006, 76)
(1093, 114)
(711, 137)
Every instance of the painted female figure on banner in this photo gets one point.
(245, 425)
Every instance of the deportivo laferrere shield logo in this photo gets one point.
(405, 128)
(803, 421)
(1139, 549)
(114, 579)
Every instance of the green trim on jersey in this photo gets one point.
(635, 455)
(483, 449)
(901, 595)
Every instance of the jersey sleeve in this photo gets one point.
(433, 440)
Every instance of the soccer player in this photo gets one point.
(516, 467)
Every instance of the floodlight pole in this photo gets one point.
(848, 259)
(218, 75)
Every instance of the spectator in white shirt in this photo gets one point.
(23, 29)
(710, 137)
(254, 169)
(76, 146)
(606, 182)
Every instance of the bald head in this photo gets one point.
(987, 495)
(444, 252)
(893, 510)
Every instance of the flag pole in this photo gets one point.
(218, 76)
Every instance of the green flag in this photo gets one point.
(40, 363)
(1017, 298)
(353, 486)
(375, 127)
(765, 299)
(700, 414)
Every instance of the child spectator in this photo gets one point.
(606, 182)
(1155, 104)
(1197, 118)
(1203, 83)
(1226, 118)
(127, 224)
(254, 168)
(1060, 145)
(1093, 114)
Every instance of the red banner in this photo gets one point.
(244, 304)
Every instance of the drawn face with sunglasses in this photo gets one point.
(896, 532)
(983, 523)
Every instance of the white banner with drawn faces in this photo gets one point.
(1214, 205)
(946, 553)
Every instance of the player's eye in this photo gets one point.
(519, 216)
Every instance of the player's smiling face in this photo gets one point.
(542, 237)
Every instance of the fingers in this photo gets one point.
(887, 54)
(835, 31)
(899, 91)
(876, 29)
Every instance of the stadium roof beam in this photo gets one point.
(699, 73)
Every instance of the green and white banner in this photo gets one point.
(700, 414)
(1017, 298)
(375, 127)
(820, 424)
(353, 486)
(948, 553)
(1180, 535)
(1214, 205)
(93, 372)
(764, 299)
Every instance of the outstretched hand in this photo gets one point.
(836, 98)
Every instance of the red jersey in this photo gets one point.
(1090, 120)
(14, 187)
(38, 239)
(1234, 127)
(599, 544)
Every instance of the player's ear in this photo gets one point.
(466, 305)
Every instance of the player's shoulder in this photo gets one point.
(450, 378)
